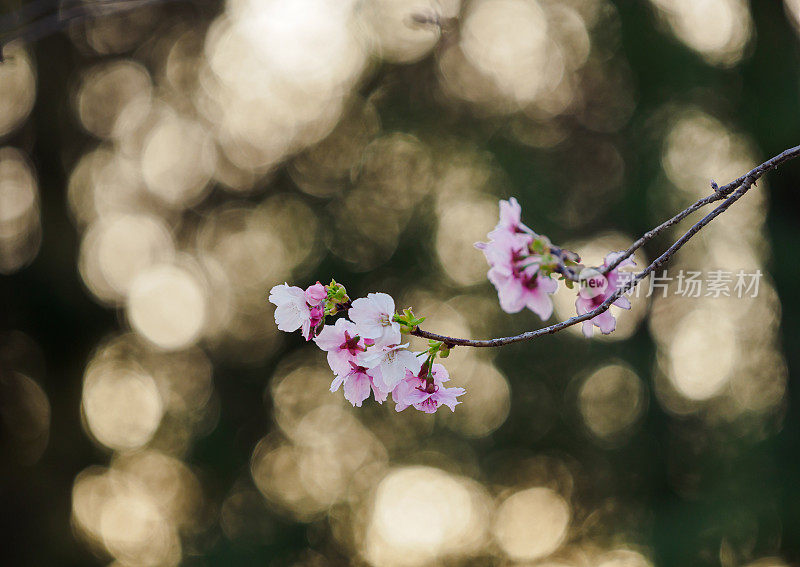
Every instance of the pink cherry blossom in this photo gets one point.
(373, 316)
(342, 343)
(589, 298)
(358, 383)
(415, 390)
(292, 311)
(316, 293)
(393, 361)
(514, 272)
(315, 298)
(511, 218)
(317, 313)
(504, 248)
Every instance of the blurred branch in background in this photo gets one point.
(34, 20)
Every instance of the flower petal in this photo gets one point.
(540, 303)
(383, 301)
(337, 381)
(339, 361)
(623, 302)
(447, 397)
(357, 387)
(606, 322)
(330, 337)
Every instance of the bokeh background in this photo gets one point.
(162, 168)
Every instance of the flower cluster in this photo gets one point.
(522, 265)
(366, 352)
(517, 259)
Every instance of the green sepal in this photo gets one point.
(336, 292)
(408, 321)
(337, 295)
(540, 245)
(438, 348)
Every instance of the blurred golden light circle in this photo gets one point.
(20, 224)
(167, 306)
(243, 515)
(297, 391)
(508, 41)
(717, 29)
(169, 482)
(522, 55)
(340, 443)
(178, 160)
(569, 27)
(698, 147)
(420, 514)
(91, 489)
(184, 379)
(116, 248)
(768, 562)
(759, 384)
(106, 90)
(792, 8)
(106, 181)
(307, 42)
(253, 137)
(255, 248)
(532, 523)
(18, 190)
(622, 558)
(700, 364)
(488, 398)
(17, 88)
(398, 40)
(277, 76)
(182, 62)
(610, 400)
(331, 447)
(136, 533)
(122, 406)
(462, 223)
(111, 32)
(25, 415)
(394, 173)
(292, 222)
(275, 471)
(396, 168)
(132, 123)
(324, 169)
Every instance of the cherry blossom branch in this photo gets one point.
(731, 193)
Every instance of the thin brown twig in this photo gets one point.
(719, 194)
(731, 193)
